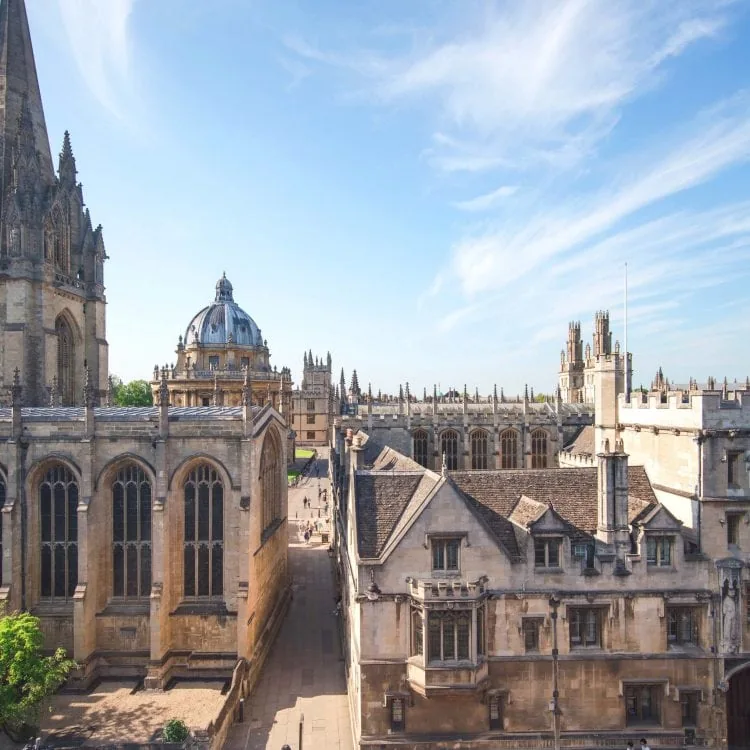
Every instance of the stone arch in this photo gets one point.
(110, 469)
(269, 475)
(68, 340)
(738, 706)
(41, 465)
(479, 440)
(189, 462)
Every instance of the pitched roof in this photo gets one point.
(583, 443)
(572, 493)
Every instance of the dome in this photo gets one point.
(223, 322)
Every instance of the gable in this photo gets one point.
(660, 519)
(549, 521)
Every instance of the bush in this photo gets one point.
(175, 730)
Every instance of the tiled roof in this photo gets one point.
(583, 444)
(381, 499)
(572, 492)
(125, 413)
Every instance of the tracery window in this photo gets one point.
(58, 510)
(449, 449)
(2, 502)
(131, 533)
(539, 449)
(479, 449)
(509, 449)
(65, 362)
(204, 533)
(270, 479)
(420, 447)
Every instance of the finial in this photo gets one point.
(526, 392)
(444, 468)
(88, 390)
(16, 391)
(494, 392)
(53, 391)
(163, 389)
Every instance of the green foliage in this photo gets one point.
(134, 393)
(304, 453)
(26, 677)
(175, 730)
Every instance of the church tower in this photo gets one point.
(570, 378)
(52, 305)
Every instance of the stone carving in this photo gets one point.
(730, 631)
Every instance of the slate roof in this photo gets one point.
(583, 444)
(572, 492)
(125, 413)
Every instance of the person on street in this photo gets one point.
(644, 744)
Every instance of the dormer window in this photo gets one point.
(445, 554)
(547, 552)
(659, 551)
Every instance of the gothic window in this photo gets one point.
(682, 625)
(509, 449)
(585, 627)
(449, 449)
(539, 449)
(2, 502)
(58, 510)
(479, 449)
(420, 447)
(131, 533)
(65, 362)
(204, 533)
(270, 480)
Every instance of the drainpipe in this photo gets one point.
(554, 603)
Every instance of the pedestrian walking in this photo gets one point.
(644, 744)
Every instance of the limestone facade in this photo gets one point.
(222, 346)
(508, 608)
(149, 541)
(313, 402)
(52, 303)
(474, 432)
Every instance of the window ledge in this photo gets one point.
(202, 608)
(446, 573)
(51, 608)
(589, 649)
(549, 570)
(125, 609)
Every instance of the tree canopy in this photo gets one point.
(134, 393)
(26, 677)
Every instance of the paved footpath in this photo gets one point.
(304, 674)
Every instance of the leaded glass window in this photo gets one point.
(479, 449)
(270, 479)
(449, 635)
(509, 449)
(204, 533)
(131, 533)
(449, 449)
(65, 362)
(539, 449)
(58, 515)
(420, 447)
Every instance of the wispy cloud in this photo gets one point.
(488, 200)
(98, 32)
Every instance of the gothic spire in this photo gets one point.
(19, 85)
(66, 169)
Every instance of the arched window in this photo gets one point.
(270, 479)
(65, 362)
(539, 449)
(509, 449)
(449, 449)
(204, 533)
(420, 447)
(58, 510)
(2, 502)
(479, 449)
(131, 533)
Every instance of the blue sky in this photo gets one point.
(429, 190)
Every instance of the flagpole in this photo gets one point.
(627, 373)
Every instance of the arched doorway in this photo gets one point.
(738, 710)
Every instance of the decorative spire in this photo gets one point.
(400, 392)
(66, 169)
(369, 392)
(304, 361)
(53, 397)
(526, 391)
(494, 393)
(19, 90)
(444, 468)
(408, 394)
(163, 389)
(247, 391)
(217, 394)
(329, 361)
(16, 391)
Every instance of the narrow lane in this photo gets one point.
(304, 675)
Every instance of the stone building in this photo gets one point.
(51, 255)
(313, 403)
(221, 343)
(576, 377)
(470, 432)
(149, 541)
(520, 608)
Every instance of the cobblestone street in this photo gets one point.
(304, 675)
